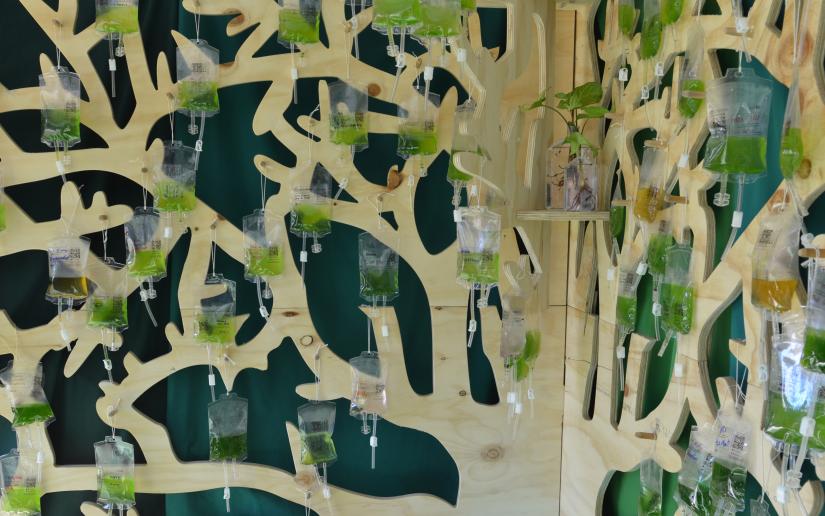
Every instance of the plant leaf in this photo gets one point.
(586, 94)
(561, 95)
(577, 141)
(564, 104)
(536, 104)
(593, 112)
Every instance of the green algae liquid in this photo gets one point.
(116, 490)
(532, 348)
(697, 500)
(439, 21)
(689, 106)
(60, 126)
(813, 353)
(728, 481)
(108, 312)
(212, 330)
(174, 197)
(313, 218)
(122, 19)
(736, 154)
(296, 28)
(783, 421)
(791, 152)
(468, 5)
(650, 503)
(378, 283)
(478, 268)
(627, 19)
(671, 10)
(198, 96)
(454, 174)
(317, 448)
(2, 217)
(651, 37)
(396, 13)
(31, 413)
(148, 263)
(414, 140)
(265, 261)
(677, 307)
(349, 130)
(618, 214)
(228, 448)
(22, 500)
(626, 312)
(657, 252)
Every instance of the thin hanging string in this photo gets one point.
(106, 240)
(197, 20)
(318, 371)
(57, 44)
(309, 134)
(801, 12)
(172, 117)
(263, 192)
(110, 415)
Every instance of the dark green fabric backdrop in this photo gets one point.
(408, 461)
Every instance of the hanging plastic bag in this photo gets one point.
(28, 400)
(693, 492)
(692, 87)
(627, 18)
(417, 130)
(479, 239)
(369, 393)
(146, 259)
(651, 30)
(107, 305)
(228, 417)
(174, 179)
(813, 354)
(792, 389)
(264, 250)
(67, 270)
(115, 462)
(791, 148)
(650, 499)
(394, 16)
(312, 208)
(730, 466)
(738, 114)
(775, 260)
(671, 11)
(378, 266)
(215, 319)
(439, 19)
(21, 483)
(626, 304)
(349, 110)
(316, 422)
(661, 239)
(467, 157)
(299, 22)
(581, 180)
(114, 19)
(618, 217)
(650, 193)
(678, 291)
(60, 113)
(198, 65)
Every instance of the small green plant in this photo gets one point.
(583, 104)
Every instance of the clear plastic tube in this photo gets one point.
(736, 223)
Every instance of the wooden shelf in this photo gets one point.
(563, 216)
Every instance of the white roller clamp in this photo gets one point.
(64, 334)
(400, 60)
(327, 493)
(144, 295)
(293, 72)
(511, 397)
(112, 65)
(456, 216)
(781, 495)
(107, 364)
(61, 167)
(461, 55)
(660, 69)
(531, 394)
(211, 378)
(611, 273)
(199, 145)
(742, 26)
(39, 457)
(645, 93)
(473, 326)
(304, 257)
(519, 408)
(167, 232)
(263, 312)
(657, 309)
(385, 330)
(641, 269)
(621, 353)
(428, 73)
(623, 75)
(374, 441)
(678, 370)
(684, 160)
(763, 373)
(736, 222)
(806, 427)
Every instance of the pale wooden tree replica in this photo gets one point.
(595, 448)
(496, 474)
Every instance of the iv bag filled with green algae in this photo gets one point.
(479, 241)
(730, 466)
(60, 108)
(678, 290)
(215, 317)
(660, 240)
(25, 390)
(174, 179)
(299, 22)
(107, 304)
(21, 489)
(651, 39)
(378, 268)
(264, 239)
(691, 86)
(115, 462)
(316, 422)
(417, 134)
(348, 116)
(792, 389)
(739, 106)
(311, 210)
(198, 65)
(67, 269)
(228, 417)
(650, 497)
(813, 353)
(693, 492)
(439, 19)
(671, 11)
(116, 16)
(145, 244)
(791, 148)
(396, 15)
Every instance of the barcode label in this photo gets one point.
(767, 238)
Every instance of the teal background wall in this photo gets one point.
(622, 495)
(408, 461)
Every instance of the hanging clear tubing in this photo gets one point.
(466, 151)
(114, 19)
(264, 239)
(60, 114)
(396, 17)
(198, 74)
(479, 241)
(298, 25)
(626, 308)
(738, 114)
(311, 213)
(369, 394)
(660, 239)
(146, 259)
